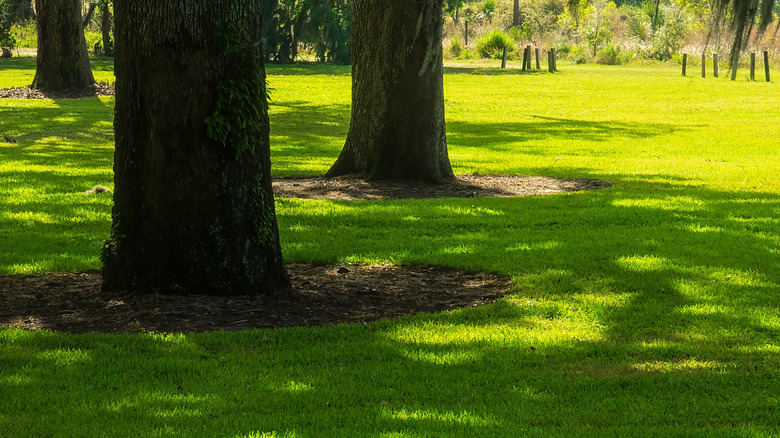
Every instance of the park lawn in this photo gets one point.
(646, 309)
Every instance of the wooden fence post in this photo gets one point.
(703, 65)
(685, 62)
(554, 60)
(503, 59)
(715, 64)
(752, 66)
(538, 66)
(766, 64)
(549, 60)
(525, 58)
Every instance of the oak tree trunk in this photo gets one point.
(193, 203)
(62, 61)
(105, 29)
(397, 128)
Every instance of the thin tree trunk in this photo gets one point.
(62, 60)
(88, 16)
(397, 128)
(105, 29)
(193, 203)
(655, 15)
(516, 14)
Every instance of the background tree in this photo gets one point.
(106, 22)
(7, 40)
(744, 16)
(397, 125)
(323, 25)
(62, 60)
(193, 204)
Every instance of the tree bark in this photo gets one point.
(516, 14)
(105, 29)
(193, 203)
(62, 60)
(397, 128)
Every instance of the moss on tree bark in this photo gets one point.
(193, 203)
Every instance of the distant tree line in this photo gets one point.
(323, 27)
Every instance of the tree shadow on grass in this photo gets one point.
(62, 149)
(647, 309)
(513, 69)
(503, 136)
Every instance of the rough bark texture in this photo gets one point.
(62, 60)
(193, 203)
(105, 29)
(397, 128)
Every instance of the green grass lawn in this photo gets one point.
(646, 309)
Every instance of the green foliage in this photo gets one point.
(521, 33)
(330, 30)
(639, 30)
(453, 6)
(323, 25)
(579, 54)
(456, 50)
(609, 55)
(26, 34)
(539, 18)
(237, 122)
(492, 45)
(488, 9)
(7, 39)
(17, 10)
(669, 37)
(564, 49)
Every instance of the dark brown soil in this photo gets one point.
(100, 89)
(320, 295)
(350, 188)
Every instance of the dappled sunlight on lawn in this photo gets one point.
(649, 308)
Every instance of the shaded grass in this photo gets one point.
(19, 72)
(647, 309)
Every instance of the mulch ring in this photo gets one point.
(320, 295)
(100, 89)
(352, 187)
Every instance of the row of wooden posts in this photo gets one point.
(551, 58)
(733, 71)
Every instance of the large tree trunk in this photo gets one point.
(397, 128)
(62, 60)
(193, 203)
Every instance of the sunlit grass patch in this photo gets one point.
(647, 309)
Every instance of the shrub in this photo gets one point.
(668, 40)
(578, 55)
(7, 40)
(609, 55)
(564, 49)
(456, 49)
(492, 45)
(26, 34)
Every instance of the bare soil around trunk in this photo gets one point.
(320, 294)
(351, 187)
